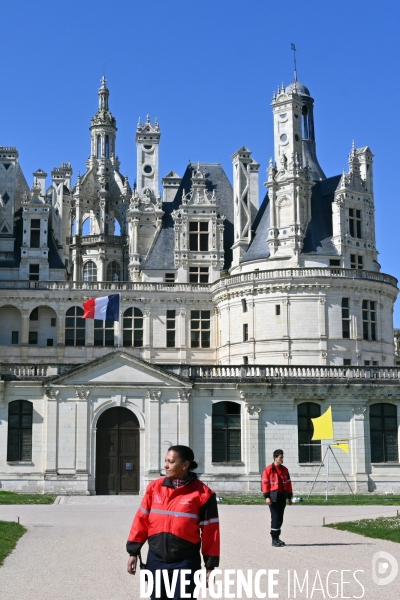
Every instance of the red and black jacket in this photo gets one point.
(177, 522)
(270, 482)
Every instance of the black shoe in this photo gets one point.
(276, 543)
(281, 543)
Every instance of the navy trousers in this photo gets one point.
(192, 562)
(277, 509)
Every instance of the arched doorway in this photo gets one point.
(117, 452)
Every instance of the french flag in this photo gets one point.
(104, 309)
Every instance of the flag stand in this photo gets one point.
(329, 448)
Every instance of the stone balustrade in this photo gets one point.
(277, 372)
(305, 273)
(122, 286)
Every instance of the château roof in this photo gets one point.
(162, 254)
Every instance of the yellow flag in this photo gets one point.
(323, 426)
(344, 447)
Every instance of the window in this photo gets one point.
(50, 342)
(169, 277)
(33, 272)
(245, 332)
(132, 325)
(107, 147)
(305, 412)
(34, 316)
(103, 333)
(334, 262)
(369, 320)
(35, 233)
(347, 362)
(15, 337)
(170, 329)
(226, 432)
(98, 146)
(113, 271)
(345, 318)
(53, 322)
(89, 271)
(244, 305)
(245, 360)
(33, 337)
(277, 309)
(19, 446)
(356, 262)
(355, 222)
(198, 274)
(200, 328)
(383, 431)
(198, 236)
(75, 327)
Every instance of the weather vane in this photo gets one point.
(293, 47)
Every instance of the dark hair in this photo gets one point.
(185, 454)
(277, 453)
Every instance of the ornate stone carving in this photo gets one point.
(184, 395)
(82, 394)
(52, 394)
(358, 410)
(154, 396)
(253, 409)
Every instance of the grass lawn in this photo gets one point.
(384, 528)
(9, 536)
(13, 498)
(342, 500)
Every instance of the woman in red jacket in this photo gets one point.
(177, 516)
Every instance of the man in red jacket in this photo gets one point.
(277, 487)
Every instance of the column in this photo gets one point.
(152, 410)
(60, 327)
(322, 318)
(253, 443)
(25, 326)
(182, 328)
(100, 268)
(358, 445)
(147, 327)
(78, 216)
(51, 431)
(82, 431)
(183, 422)
(102, 205)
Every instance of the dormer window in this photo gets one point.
(198, 236)
(355, 222)
(35, 233)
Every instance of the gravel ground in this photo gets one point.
(75, 550)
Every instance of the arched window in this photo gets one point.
(75, 327)
(103, 333)
(90, 271)
(306, 129)
(305, 412)
(86, 227)
(226, 433)
(384, 432)
(113, 271)
(98, 146)
(133, 328)
(19, 446)
(107, 147)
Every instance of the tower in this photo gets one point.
(103, 128)
(245, 200)
(147, 145)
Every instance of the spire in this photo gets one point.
(293, 47)
(103, 95)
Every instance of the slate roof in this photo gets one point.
(162, 255)
(319, 231)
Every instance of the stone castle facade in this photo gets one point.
(241, 320)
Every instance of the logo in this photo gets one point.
(157, 499)
(185, 502)
(381, 574)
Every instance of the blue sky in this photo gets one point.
(207, 70)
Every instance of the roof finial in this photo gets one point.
(148, 119)
(353, 147)
(103, 82)
(293, 47)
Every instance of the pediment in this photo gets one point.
(119, 368)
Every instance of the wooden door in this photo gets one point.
(117, 452)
